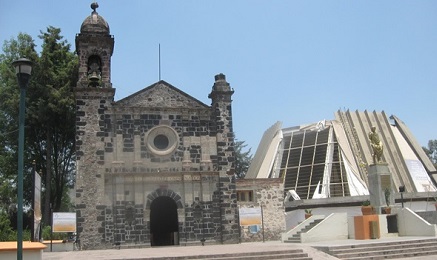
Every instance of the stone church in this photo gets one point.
(155, 168)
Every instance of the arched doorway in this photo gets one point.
(164, 226)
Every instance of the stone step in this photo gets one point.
(375, 243)
(292, 240)
(302, 256)
(390, 247)
(296, 237)
(385, 250)
(395, 256)
(297, 254)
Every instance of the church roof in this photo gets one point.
(94, 23)
(162, 95)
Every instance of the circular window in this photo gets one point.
(162, 140)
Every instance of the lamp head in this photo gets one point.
(23, 66)
(23, 69)
(401, 188)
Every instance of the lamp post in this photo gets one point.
(23, 69)
(402, 190)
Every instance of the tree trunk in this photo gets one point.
(47, 204)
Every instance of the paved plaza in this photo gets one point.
(174, 251)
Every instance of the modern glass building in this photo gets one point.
(330, 158)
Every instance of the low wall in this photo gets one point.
(430, 216)
(300, 226)
(333, 227)
(31, 250)
(58, 246)
(411, 224)
(268, 194)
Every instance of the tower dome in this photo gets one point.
(94, 23)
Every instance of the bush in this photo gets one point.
(6, 231)
(56, 235)
(5, 228)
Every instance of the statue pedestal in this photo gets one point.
(380, 180)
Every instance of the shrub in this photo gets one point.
(56, 235)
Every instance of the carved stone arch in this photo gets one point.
(94, 70)
(96, 52)
(164, 192)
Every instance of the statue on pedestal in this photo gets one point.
(376, 145)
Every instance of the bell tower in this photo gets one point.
(95, 46)
(94, 100)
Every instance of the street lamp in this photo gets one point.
(23, 69)
(402, 190)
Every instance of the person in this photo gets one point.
(376, 145)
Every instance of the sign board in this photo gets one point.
(37, 215)
(419, 175)
(250, 216)
(64, 222)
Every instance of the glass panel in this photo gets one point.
(322, 138)
(317, 174)
(294, 158)
(297, 139)
(310, 138)
(302, 192)
(290, 179)
(307, 156)
(304, 179)
(320, 154)
(336, 154)
(336, 190)
(284, 159)
(287, 140)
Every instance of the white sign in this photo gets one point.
(64, 222)
(250, 216)
(420, 176)
(37, 207)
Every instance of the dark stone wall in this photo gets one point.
(199, 217)
(111, 142)
(91, 105)
(130, 125)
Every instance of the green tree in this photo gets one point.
(242, 159)
(54, 119)
(23, 46)
(431, 151)
(50, 117)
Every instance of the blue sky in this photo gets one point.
(292, 61)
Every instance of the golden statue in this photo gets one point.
(376, 145)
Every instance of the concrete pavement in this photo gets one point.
(174, 251)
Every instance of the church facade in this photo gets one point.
(155, 168)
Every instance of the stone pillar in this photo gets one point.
(221, 117)
(379, 181)
(91, 106)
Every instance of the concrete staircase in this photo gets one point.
(295, 254)
(296, 237)
(384, 250)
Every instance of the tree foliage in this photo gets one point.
(50, 119)
(431, 151)
(242, 159)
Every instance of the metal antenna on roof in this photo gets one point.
(159, 62)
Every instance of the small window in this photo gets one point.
(245, 195)
(161, 142)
